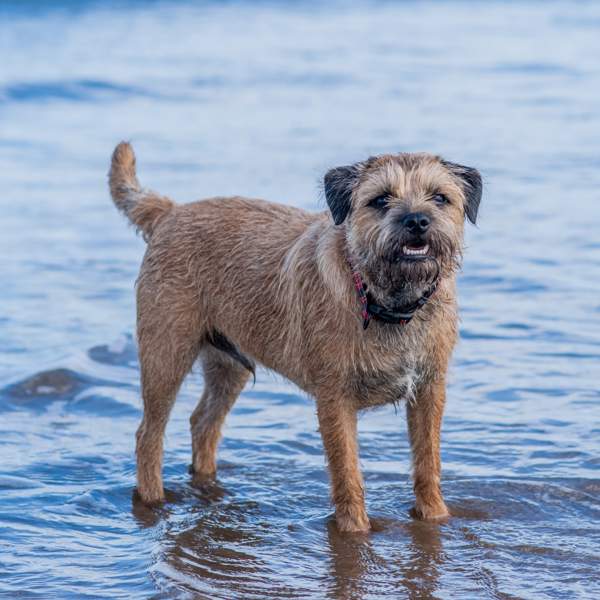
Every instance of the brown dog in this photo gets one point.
(358, 311)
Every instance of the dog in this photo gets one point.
(355, 305)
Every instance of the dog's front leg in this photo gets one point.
(424, 417)
(337, 422)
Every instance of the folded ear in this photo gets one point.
(472, 187)
(339, 184)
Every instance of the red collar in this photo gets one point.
(398, 315)
(361, 290)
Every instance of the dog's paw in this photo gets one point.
(430, 512)
(148, 498)
(353, 522)
(202, 476)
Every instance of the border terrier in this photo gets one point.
(355, 305)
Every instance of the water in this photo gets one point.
(261, 98)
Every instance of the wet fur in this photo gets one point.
(274, 282)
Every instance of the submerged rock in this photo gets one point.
(54, 384)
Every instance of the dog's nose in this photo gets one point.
(416, 222)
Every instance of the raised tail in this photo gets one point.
(143, 208)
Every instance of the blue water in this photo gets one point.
(260, 98)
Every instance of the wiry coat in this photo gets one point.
(233, 280)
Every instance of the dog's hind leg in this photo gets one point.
(224, 379)
(166, 357)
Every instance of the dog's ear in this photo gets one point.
(339, 184)
(472, 187)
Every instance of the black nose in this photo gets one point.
(416, 222)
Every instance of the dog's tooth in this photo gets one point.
(415, 251)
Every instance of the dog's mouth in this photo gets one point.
(414, 258)
(415, 249)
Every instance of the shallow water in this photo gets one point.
(260, 98)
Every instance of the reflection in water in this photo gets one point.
(421, 572)
(217, 548)
(352, 561)
(411, 572)
(211, 548)
(217, 544)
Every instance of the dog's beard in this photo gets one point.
(397, 278)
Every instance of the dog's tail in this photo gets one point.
(143, 208)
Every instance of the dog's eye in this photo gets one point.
(381, 202)
(441, 199)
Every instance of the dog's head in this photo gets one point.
(404, 217)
